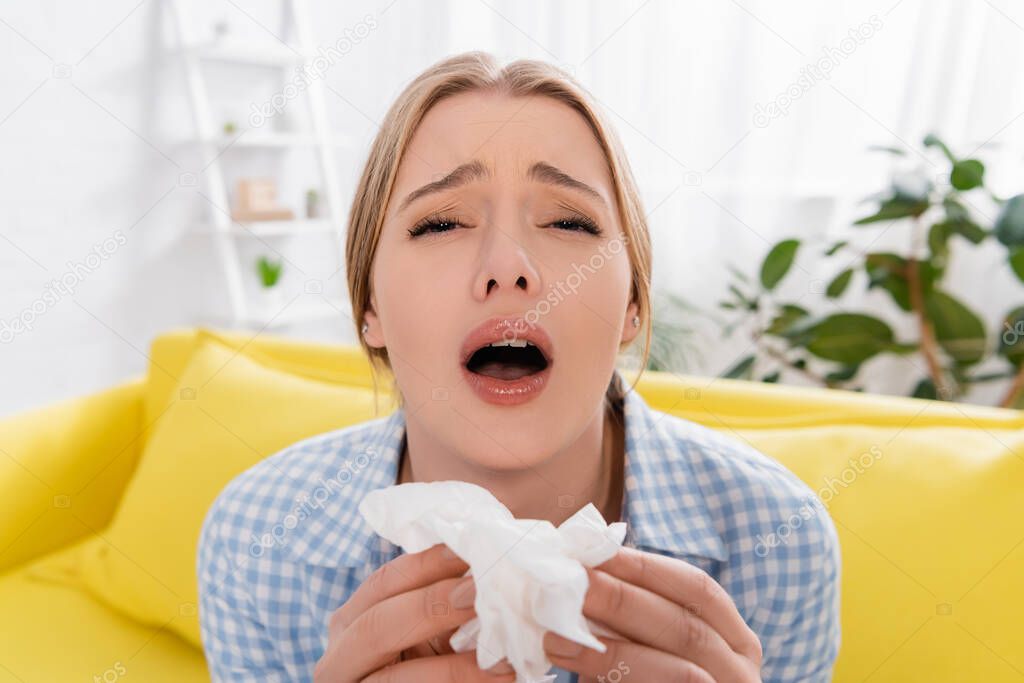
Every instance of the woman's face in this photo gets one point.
(504, 241)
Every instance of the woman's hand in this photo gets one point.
(676, 621)
(382, 634)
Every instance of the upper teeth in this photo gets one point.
(518, 343)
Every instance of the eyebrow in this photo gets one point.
(476, 170)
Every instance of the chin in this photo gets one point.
(505, 439)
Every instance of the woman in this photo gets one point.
(498, 261)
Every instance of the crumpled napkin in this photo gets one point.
(529, 575)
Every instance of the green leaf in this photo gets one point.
(938, 243)
(1017, 262)
(926, 389)
(940, 233)
(889, 271)
(931, 140)
(955, 211)
(742, 300)
(831, 251)
(901, 348)
(838, 285)
(912, 185)
(970, 231)
(843, 374)
(896, 207)
(960, 332)
(1009, 227)
(742, 370)
(269, 271)
(849, 338)
(1011, 338)
(967, 174)
(778, 262)
(987, 377)
(788, 316)
(884, 148)
(881, 263)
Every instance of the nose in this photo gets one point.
(506, 269)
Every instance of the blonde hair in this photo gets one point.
(474, 71)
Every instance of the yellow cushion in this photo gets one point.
(63, 468)
(170, 353)
(928, 501)
(51, 631)
(227, 413)
(930, 522)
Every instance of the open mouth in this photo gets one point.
(507, 360)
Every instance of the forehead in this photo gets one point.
(507, 134)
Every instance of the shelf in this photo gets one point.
(307, 308)
(298, 226)
(272, 141)
(228, 52)
(269, 129)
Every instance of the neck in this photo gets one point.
(590, 470)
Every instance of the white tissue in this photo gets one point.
(529, 575)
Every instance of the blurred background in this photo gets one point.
(833, 188)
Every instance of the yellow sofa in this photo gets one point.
(928, 499)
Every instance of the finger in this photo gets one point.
(458, 668)
(650, 619)
(401, 621)
(639, 662)
(417, 651)
(402, 574)
(690, 587)
(441, 642)
(437, 645)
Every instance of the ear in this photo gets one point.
(373, 336)
(628, 331)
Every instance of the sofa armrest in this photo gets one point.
(63, 468)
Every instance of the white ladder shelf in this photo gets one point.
(225, 231)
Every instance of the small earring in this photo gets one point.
(366, 327)
(636, 321)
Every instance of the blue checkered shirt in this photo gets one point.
(284, 545)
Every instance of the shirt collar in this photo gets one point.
(663, 505)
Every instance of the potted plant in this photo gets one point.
(828, 344)
(269, 271)
(312, 204)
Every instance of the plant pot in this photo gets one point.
(271, 300)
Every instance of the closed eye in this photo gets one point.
(440, 224)
(577, 223)
(433, 224)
